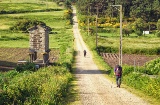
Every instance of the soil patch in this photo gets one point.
(10, 56)
(128, 59)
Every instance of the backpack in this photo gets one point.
(119, 71)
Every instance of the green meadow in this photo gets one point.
(133, 42)
(53, 18)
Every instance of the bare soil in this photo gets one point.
(9, 57)
(128, 59)
(94, 88)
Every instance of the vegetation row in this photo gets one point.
(45, 86)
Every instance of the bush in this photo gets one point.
(107, 49)
(28, 66)
(25, 24)
(143, 83)
(158, 33)
(153, 67)
(68, 16)
(127, 70)
(46, 86)
(139, 26)
(139, 32)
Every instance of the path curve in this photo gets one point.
(94, 88)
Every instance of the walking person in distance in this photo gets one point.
(85, 52)
(118, 74)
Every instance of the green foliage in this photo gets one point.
(139, 32)
(127, 70)
(6, 77)
(68, 16)
(143, 83)
(139, 26)
(158, 25)
(140, 81)
(107, 49)
(67, 4)
(158, 28)
(28, 66)
(113, 49)
(24, 25)
(148, 10)
(153, 67)
(158, 33)
(127, 30)
(46, 86)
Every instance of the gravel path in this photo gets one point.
(94, 88)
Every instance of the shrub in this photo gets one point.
(117, 25)
(25, 24)
(46, 86)
(68, 16)
(158, 33)
(153, 67)
(143, 83)
(107, 49)
(139, 25)
(127, 70)
(24, 67)
(158, 25)
(139, 32)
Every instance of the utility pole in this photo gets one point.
(120, 46)
(97, 11)
(88, 19)
(97, 27)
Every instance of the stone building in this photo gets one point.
(39, 44)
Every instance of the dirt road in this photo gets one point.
(94, 88)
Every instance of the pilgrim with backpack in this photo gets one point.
(118, 74)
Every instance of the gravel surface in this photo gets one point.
(94, 88)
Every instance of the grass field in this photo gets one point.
(147, 41)
(53, 19)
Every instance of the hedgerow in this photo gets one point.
(145, 51)
(144, 83)
(153, 67)
(141, 81)
(46, 86)
(25, 24)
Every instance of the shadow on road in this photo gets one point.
(92, 71)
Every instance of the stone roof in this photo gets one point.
(40, 28)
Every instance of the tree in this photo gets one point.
(139, 26)
(83, 6)
(158, 25)
(158, 28)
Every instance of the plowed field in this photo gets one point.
(128, 59)
(10, 56)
